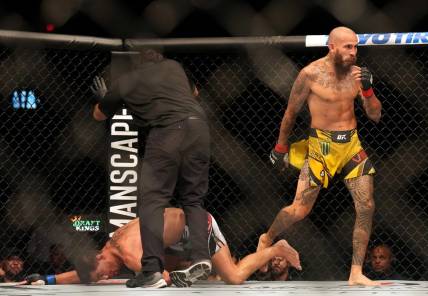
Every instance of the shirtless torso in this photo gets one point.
(126, 241)
(331, 98)
(329, 86)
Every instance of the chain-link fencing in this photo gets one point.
(54, 166)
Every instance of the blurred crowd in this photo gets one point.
(13, 268)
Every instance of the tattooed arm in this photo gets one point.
(298, 96)
(372, 106)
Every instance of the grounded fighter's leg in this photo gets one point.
(237, 273)
(361, 189)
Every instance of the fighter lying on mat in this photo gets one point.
(124, 249)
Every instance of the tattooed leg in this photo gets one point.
(304, 200)
(361, 189)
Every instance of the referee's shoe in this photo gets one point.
(147, 280)
(197, 271)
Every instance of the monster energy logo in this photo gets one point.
(325, 148)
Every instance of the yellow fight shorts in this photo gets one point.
(330, 153)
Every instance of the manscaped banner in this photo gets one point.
(123, 155)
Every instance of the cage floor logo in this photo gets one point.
(81, 224)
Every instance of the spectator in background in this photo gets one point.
(13, 269)
(380, 265)
(1, 271)
(58, 262)
(278, 270)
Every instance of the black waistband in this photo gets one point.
(335, 136)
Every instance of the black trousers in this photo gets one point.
(176, 157)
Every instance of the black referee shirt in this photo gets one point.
(156, 93)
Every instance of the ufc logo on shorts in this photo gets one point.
(342, 137)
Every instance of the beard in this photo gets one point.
(341, 65)
(275, 274)
(276, 271)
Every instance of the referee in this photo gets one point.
(176, 158)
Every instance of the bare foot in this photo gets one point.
(289, 253)
(264, 242)
(362, 280)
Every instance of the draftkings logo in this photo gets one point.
(81, 224)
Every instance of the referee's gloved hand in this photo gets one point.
(279, 157)
(366, 78)
(38, 279)
(99, 88)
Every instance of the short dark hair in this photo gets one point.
(85, 265)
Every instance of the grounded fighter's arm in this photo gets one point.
(236, 273)
(69, 277)
(298, 96)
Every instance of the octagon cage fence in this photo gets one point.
(65, 178)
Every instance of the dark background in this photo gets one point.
(209, 18)
(54, 160)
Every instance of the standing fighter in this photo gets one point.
(329, 86)
(176, 156)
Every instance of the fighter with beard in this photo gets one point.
(329, 87)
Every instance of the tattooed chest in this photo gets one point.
(331, 83)
(326, 78)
